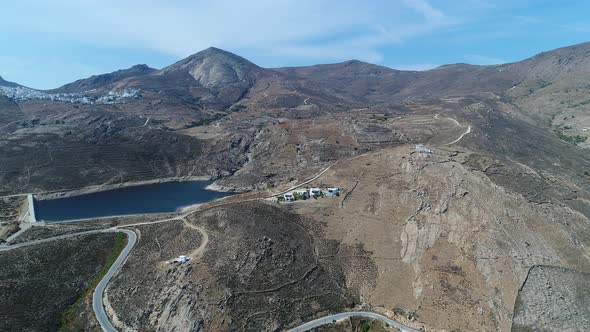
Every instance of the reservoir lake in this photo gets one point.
(162, 197)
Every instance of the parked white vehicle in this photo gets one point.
(289, 197)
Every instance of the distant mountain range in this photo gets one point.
(213, 80)
(549, 90)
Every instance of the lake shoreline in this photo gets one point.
(107, 187)
(174, 196)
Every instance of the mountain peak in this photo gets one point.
(141, 67)
(213, 49)
(214, 68)
(218, 55)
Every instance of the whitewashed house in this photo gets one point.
(303, 193)
(315, 192)
(421, 148)
(181, 259)
(333, 191)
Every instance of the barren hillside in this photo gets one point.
(457, 239)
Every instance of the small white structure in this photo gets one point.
(181, 259)
(303, 193)
(421, 148)
(315, 192)
(289, 197)
(333, 191)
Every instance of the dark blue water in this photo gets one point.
(151, 198)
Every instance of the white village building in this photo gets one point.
(315, 192)
(303, 193)
(181, 259)
(421, 148)
(333, 191)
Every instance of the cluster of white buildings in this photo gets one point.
(21, 93)
(304, 194)
(114, 97)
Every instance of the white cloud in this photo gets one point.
(423, 7)
(180, 28)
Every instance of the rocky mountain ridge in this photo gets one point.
(209, 82)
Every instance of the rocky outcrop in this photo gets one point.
(553, 299)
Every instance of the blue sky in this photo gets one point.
(45, 44)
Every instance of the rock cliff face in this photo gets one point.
(553, 299)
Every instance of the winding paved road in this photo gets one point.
(97, 296)
(345, 315)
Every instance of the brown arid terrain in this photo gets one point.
(256, 272)
(488, 232)
(11, 210)
(38, 283)
(450, 245)
(214, 112)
